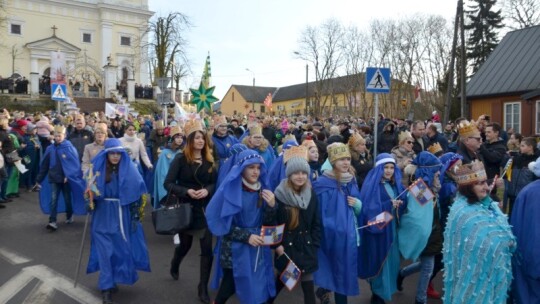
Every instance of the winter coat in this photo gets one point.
(493, 155)
(183, 176)
(302, 243)
(362, 165)
(403, 158)
(521, 175)
(435, 241)
(387, 139)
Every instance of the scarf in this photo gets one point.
(129, 138)
(345, 177)
(251, 187)
(290, 198)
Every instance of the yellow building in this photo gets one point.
(340, 96)
(87, 31)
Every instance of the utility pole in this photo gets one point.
(450, 79)
(463, 55)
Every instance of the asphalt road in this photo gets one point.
(38, 266)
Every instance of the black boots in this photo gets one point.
(107, 296)
(375, 299)
(399, 281)
(175, 263)
(205, 269)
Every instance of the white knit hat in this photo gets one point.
(535, 167)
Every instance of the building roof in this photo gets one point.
(512, 68)
(298, 91)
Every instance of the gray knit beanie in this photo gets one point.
(296, 164)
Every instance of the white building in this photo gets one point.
(91, 33)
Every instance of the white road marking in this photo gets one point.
(42, 293)
(12, 257)
(52, 281)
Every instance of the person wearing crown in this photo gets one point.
(478, 242)
(340, 209)
(298, 210)
(524, 222)
(379, 253)
(117, 247)
(221, 139)
(235, 214)
(256, 141)
(360, 158)
(174, 147)
(61, 172)
(192, 177)
(470, 141)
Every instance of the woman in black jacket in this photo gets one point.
(191, 178)
(297, 209)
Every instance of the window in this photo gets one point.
(125, 40)
(15, 29)
(512, 116)
(262, 108)
(87, 37)
(538, 117)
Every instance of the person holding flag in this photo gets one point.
(420, 233)
(236, 213)
(340, 208)
(298, 210)
(379, 253)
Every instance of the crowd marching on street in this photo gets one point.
(292, 201)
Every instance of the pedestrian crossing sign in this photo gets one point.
(377, 80)
(58, 92)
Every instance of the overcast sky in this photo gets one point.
(262, 35)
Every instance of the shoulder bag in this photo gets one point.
(172, 217)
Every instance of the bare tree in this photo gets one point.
(320, 46)
(522, 13)
(15, 54)
(167, 42)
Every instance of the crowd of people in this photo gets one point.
(433, 198)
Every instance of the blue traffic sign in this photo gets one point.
(378, 80)
(58, 92)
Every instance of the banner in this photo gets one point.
(58, 68)
(113, 109)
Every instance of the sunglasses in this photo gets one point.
(409, 142)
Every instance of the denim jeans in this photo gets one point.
(425, 266)
(3, 188)
(66, 192)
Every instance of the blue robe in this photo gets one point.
(268, 156)
(338, 253)
(526, 227)
(68, 156)
(415, 227)
(162, 167)
(251, 286)
(276, 173)
(222, 145)
(477, 253)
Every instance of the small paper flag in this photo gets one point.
(421, 192)
(290, 276)
(272, 234)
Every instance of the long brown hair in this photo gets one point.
(293, 213)
(189, 150)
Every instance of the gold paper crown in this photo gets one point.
(174, 130)
(470, 173)
(355, 139)
(435, 148)
(337, 151)
(219, 120)
(60, 129)
(403, 135)
(295, 151)
(468, 129)
(255, 130)
(158, 124)
(192, 126)
(288, 137)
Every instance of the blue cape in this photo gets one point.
(162, 167)
(72, 171)
(338, 253)
(526, 228)
(227, 165)
(222, 146)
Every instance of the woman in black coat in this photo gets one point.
(191, 178)
(297, 209)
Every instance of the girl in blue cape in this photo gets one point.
(164, 162)
(339, 207)
(379, 253)
(118, 248)
(236, 213)
(227, 165)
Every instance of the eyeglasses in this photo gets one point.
(409, 142)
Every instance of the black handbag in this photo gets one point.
(171, 219)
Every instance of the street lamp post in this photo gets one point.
(307, 85)
(253, 101)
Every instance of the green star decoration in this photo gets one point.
(203, 97)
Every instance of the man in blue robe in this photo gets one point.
(526, 227)
(222, 140)
(60, 172)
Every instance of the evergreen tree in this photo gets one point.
(482, 27)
